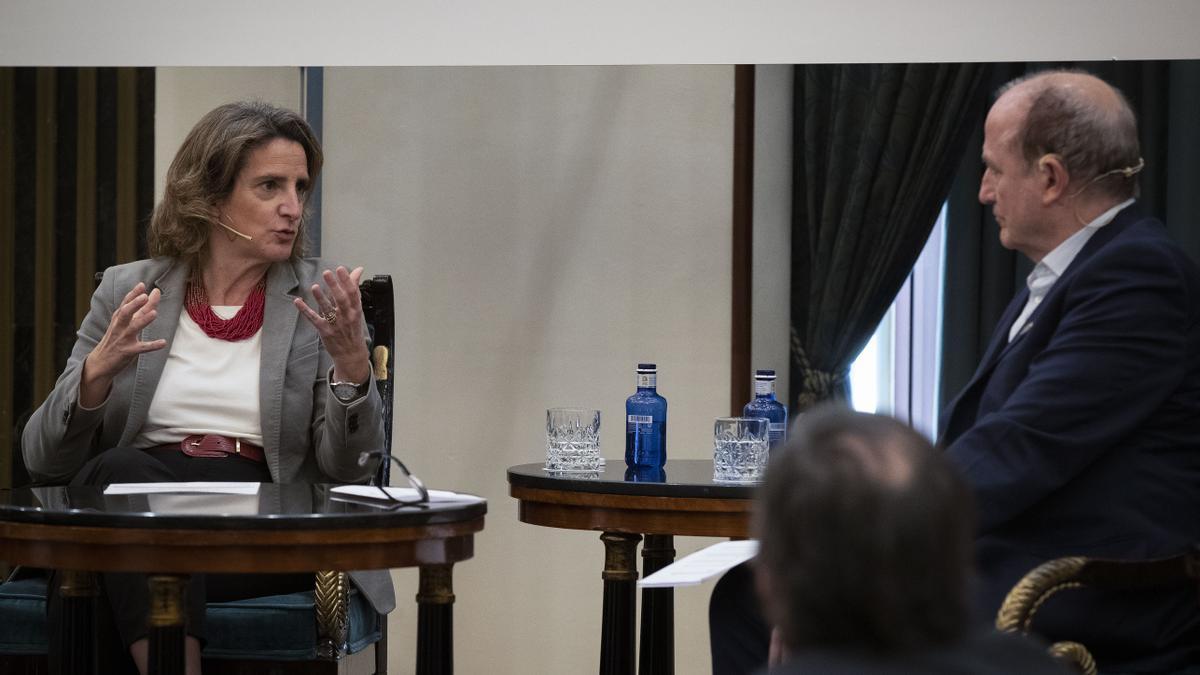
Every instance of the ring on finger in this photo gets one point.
(330, 315)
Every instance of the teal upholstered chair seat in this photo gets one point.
(23, 606)
(281, 627)
(271, 628)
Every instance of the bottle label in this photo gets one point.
(647, 380)
(762, 387)
(776, 431)
(638, 424)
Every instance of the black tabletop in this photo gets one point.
(679, 478)
(274, 507)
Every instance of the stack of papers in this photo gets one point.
(203, 504)
(182, 488)
(702, 565)
(406, 494)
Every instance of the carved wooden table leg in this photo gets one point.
(168, 597)
(435, 620)
(620, 576)
(79, 592)
(657, 656)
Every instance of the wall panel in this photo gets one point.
(547, 228)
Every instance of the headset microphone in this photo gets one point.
(1130, 170)
(1125, 171)
(233, 231)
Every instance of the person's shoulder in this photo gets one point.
(147, 270)
(1142, 248)
(1147, 235)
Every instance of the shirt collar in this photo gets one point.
(1057, 261)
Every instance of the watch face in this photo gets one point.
(345, 392)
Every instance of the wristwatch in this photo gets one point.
(347, 392)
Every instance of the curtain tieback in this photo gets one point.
(816, 385)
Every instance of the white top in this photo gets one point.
(1046, 272)
(208, 386)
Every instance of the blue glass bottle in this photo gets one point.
(765, 405)
(645, 474)
(646, 421)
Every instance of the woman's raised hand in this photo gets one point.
(338, 320)
(120, 345)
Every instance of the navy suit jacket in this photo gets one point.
(1082, 437)
(982, 652)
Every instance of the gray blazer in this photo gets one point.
(61, 436)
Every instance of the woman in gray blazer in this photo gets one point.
(227, 356)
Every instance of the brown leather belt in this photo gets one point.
(211, 446)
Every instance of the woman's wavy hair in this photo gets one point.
(207, 165)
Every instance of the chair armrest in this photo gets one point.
(1073, 655)
(1024, 600)
(332, 599)
(1031, 592)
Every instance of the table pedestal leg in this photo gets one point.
(79, 592)
(435, 620)
(168, 597)
(657, 655)
(620, 576)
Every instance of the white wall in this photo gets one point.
(771, 282)
(547, 228)
(183, 95)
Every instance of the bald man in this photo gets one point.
(1080, 431)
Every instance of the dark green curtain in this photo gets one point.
(982, 277)
(875, 148)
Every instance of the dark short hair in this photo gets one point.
(866, 536)
(206, 167)
(1091, 139)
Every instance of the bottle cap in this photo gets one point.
(764, 374)
(647, 368)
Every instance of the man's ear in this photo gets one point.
(1053, 177)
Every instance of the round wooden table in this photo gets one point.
(627, 505)
(282, 528)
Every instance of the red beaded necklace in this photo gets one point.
(244, 324)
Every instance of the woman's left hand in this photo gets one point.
(338, 320)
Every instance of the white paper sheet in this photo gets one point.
(203, 504)
(702, 565)
(406, 494)
(182, 488)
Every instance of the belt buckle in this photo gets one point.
(198, 450)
